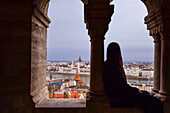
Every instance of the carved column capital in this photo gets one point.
(42, 5)
(41, 17)
(97, 18)
(154, 22)
(156, 38)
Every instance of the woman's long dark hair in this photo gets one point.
(114, 55)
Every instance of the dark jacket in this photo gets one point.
(116, 87)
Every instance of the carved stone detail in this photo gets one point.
(154, 22)
(148, 4)
(42, 5)
(41, 17)
(97, 18)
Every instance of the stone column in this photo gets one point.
(158, 23)
(97, 18)
(155, 26)
(157, 58)
(97, 60)
(40, 23)
(165, 68)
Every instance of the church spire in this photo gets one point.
(80, 60)
(77, 77)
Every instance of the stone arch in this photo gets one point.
(40, 23)
(97, 17)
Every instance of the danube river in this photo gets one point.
(86, 78)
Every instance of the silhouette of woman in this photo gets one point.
(120, 93)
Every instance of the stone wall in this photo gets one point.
(15, 52)
(38, 60)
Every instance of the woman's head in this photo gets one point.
(114, 55)
(113, 52)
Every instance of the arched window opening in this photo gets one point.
(128, 29)
(68, 67)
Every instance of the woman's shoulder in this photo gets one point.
(111, 64)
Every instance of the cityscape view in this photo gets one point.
(72, 79)
(68, 75)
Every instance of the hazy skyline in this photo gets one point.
(68, 38)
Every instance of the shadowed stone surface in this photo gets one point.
(62, 103)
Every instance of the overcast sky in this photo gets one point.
(68, 38)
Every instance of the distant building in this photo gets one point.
(68, 84)
(132, 71)
(128, 71)
(135, 71)
(51, 68)
(147, 73)
(58, 94)
(69, 94)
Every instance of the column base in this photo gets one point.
(164, 96)
(40, 95)
(97, 97)
(155, 92)
(97, 103)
